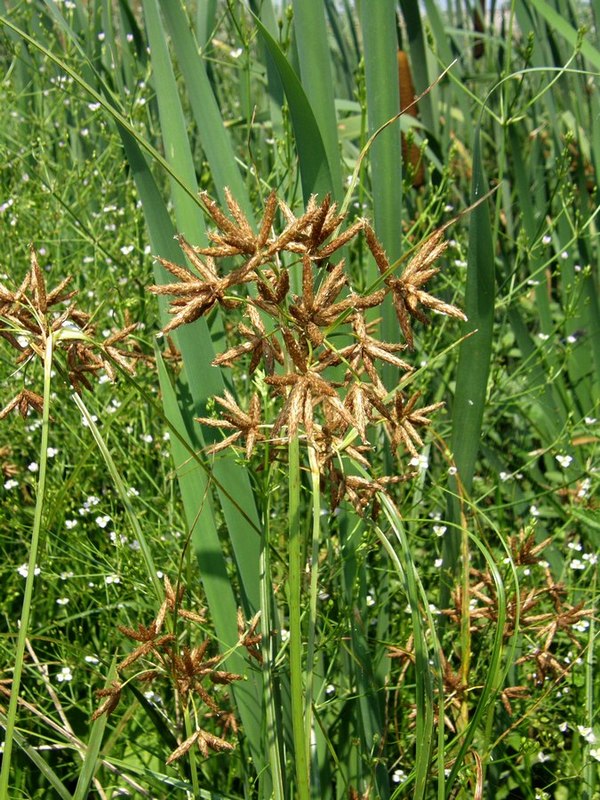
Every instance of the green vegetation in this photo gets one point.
(300, 397)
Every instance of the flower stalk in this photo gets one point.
(36, 533)
(300, 731)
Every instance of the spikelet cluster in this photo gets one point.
(316, 347)
(31, 314)
(159, 657)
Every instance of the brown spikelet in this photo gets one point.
(112, 695)
(411, 153)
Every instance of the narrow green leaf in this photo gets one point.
(315, 69)
(213, 134)
(315, 170)
(91, 760)
(473, 362)
(173, 126)
(562, 27)
(40, 764)
(378, 21)
(475, 352)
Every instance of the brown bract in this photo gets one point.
(407, 292)
(244, 424)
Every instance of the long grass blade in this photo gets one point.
(474, 355)
(315, 169)
(315, 70)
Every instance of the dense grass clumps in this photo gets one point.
(299, 400)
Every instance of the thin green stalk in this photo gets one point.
(589, 769)
(295, 551)
(124, 497)
(465, 618)
(11, 716)
(273, 725)
(315, 480)
(192, 760)
(424, 688)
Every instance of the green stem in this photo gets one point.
(11, 716)
(294, 596)
(315, 480)
(267, 624)
(192, 760)
(124, 497)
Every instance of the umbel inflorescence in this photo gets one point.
(316, 347)
(32, 315)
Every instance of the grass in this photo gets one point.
(326, 630)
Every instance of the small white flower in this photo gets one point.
(546, 239)
(452, 470)
(504, 476)
(92, 660)
(439, 530)
(112, 579)
(24, 570)
(147, 437)
(101, 36)
(330, 688)
(285, 635)
(398, 776)
(564, 255)
(70, 523)
(534, 511)
(127, 249)
(439, 562)
(236, 53)
(581, 626)
(11, 483)
(577, 564)
(587, 733)
(93, 106)
(543, 337)
(51, 452)
(370, 600)
(64, 576)
(64, 675)
(543, 757)
(132, 492)
(590, 420)
(420, 461)
(33, 467)
(584, 488)
(62, 601)
(103, 521)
